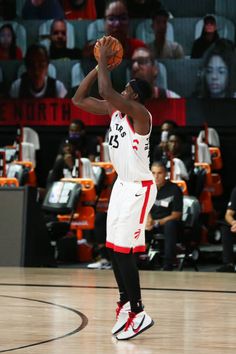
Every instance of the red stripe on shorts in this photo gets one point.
(146, 184)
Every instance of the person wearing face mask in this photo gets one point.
(83, 145)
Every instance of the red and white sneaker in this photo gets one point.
(136, 324)
(122, 315)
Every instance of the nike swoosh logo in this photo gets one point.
(137, 195)
(139, 326)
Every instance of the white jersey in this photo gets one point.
(129, 151)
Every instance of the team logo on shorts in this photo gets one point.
(137, 234)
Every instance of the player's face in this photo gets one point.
(128, 93)
(217, 76)
(142, 66)
(159, 174)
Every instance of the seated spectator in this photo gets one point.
(143, 8)
(144, 67)
(35, 82)
(79, 9)
(42, 10)
(228, 235)
(208, 37)
(166, 214)
(160, 150)
(117, 24)
(82, 144)
(216, 79)
(64, 166)
(8, 47)
(161, 47)
(58, 47)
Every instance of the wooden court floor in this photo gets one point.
(71, 311)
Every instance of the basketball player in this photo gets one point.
(134, 191)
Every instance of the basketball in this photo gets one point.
(115, 46)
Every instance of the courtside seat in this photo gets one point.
(182, 184)
(84, 215)
(216, 158)
(110, 177)
(23, 171)
(9, 182)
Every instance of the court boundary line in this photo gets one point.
(115, 287)
(76, 330)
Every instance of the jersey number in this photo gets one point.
(113, 141)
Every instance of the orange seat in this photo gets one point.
(182, 184)
(32, 180)
(207, 168)
(84, 217)
(10, 182)
(216, 158)
(88, 189)
(205, 200)
(217, 188)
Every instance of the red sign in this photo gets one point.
(59, 112)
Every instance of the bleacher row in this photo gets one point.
(179, 76)
(182, 30)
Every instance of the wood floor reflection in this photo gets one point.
(71, 311)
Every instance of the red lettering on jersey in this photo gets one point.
(137, 234)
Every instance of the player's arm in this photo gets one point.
(137, 111)
(88, 103)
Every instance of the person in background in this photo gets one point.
(166, 214)
(228, 236)
(58, 46)
(79, 9)
(208, 36)
(216, 79)
(161, 148)
(8, 47)
(161, 46)
(64, 166)
(82, 144)
(117, 24)
(35, 82)
(42, 10)
(144, 67)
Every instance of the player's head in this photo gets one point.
(138, 89)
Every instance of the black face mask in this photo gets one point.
(77, 5)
